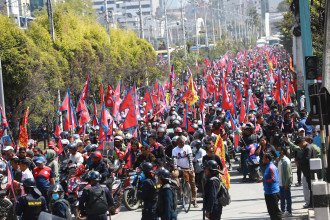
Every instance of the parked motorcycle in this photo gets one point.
(253, 162)
(130, 193)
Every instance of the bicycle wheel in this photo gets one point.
(186, 197)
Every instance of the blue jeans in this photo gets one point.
(286, 196)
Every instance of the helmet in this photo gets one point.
(176, 122)
(128, 136)
(175, 138)
(80, 170)
(76, 136)
(56, 188)
(164, 175)
(194, 126)
(146, 167)
(29, 183)
(199, 134)
(216, 122)
(173, 117)
(161, 129)
(72, 146)
(249, 126)
(91, 147)
(212, 165)
(269, 99)
(94, 175)
(97, 155)
(196, 143)
(64, 135)
(178, 130)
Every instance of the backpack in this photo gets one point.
(67, 208)
(97, 203)
(223, 195)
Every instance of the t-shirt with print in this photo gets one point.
(182, 155)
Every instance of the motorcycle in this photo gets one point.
(130, 192)
(6, 206)
(253, 162)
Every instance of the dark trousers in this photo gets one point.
(272, 206)
(299, 173)
(286, 198)
(309, 182)
(216, 213)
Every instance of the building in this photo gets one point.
(18, 9)
(126, 14)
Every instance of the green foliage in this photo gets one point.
(283, 6)
(35, 67)
(286, 31)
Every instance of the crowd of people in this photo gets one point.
(249, 102)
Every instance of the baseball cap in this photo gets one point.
(301, 129)
(51, 144)
(299, 140)
(7, 148)
(40, 160)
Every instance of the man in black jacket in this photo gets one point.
(308, 153)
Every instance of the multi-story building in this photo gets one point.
(126, 14)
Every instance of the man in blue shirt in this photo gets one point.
(302, 124)
(271, 188)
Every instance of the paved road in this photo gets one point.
(247, 203)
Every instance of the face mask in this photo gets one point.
(55, 196)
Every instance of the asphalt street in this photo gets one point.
(247, 203)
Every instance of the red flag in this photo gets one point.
(60, 147)
(226, 104)
(3, 118)
(251, 104)
(196, 64)
(84, 93)
(203, 98)
(95, 121)
(103, 125)
(23, 135)
(10, 180)
(210, 84)
(57, 131)
(135, 133)
(101, 93)
(290, 88)
(116, 95)
(70, 121)
(130, 120)
(242, 113)
(149, 102)
(109, 101)
(83, 112)
(66, 102)
(238, 96)
(234, 129)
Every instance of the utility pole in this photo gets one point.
(167, 40)
(213, 27)
(141, 21)
(2, 94)
(52, 33)
(183, 32)
(206, 36)
(196, 29)
(107, 20)
(50, 18)
(326, 67)
(219, 24)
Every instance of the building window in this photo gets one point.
(145, 6)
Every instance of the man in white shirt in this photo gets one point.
(182, 158)
(26, 173)
(75, 159)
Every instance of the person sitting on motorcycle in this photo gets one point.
(58, 206)
(157, 149)
(132, 153)
(144, 156)
(99, 165)
(118, 152)
(162, 138)
(246, 139)
(75, 159)
(89, 150)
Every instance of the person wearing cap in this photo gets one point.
(51, 145)
(32, 204)
(119, 147)
(52, 163)
(43, 175)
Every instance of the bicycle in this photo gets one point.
(185, 189)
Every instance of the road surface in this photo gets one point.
(247, 203)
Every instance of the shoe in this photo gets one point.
(288, 214)
(298, 184)
(244, 179)
(229, 168)
(306, 206)
(259, 180)
(195, 204)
